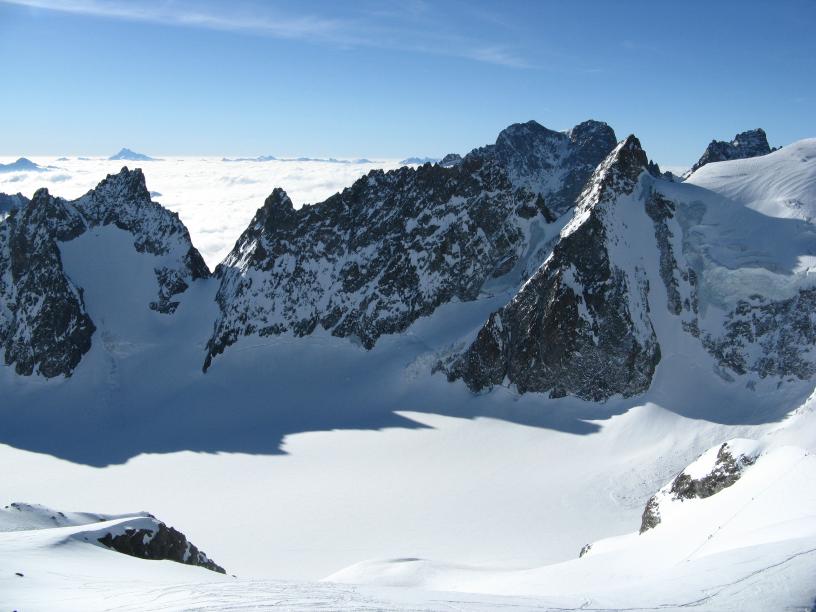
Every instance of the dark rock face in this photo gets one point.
(662, 210)
(394, 246)
(727, 468)
(651, 515)
(752, 143)
(11, 202)
(43, 323)
(450, 160)
(726, 472)
(768, 337)
(571, 329)
(163, 542)
(44, 326)
(555, 165)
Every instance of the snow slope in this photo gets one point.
(751, 546)
(780, 184)
(745, 547)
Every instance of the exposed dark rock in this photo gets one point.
(768, 337)
(651, 515)
(752, 143)
(9, 203)
(534, 155)
(394, 246)
(584, 550)
(660, 209)
(43, 322)
(163, 542)
(727, 468)
(569, 330)
(450, 160)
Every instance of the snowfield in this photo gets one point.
(321, 475)
(780, 184)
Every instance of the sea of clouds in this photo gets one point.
(215, 198)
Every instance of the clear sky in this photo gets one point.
(397, 78)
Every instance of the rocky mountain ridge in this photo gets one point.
(751, 143)
(395, 246)
(44, 324)
(594, 283)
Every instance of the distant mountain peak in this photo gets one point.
(128, 155)
(751, 143)
(587, 128)
(22, 164)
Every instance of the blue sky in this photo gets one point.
(396, 78)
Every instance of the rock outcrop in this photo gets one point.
(752, 143)
(580, 324)
(768, 337)
(717, 469)
(158, 542)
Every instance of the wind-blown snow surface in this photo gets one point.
(215, 199)
(780, 184)
(294, 458)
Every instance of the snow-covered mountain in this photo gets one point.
(22, 165)
(126, 154)
(642, 261)
(44, 323)
(395, 246)
(470, 369)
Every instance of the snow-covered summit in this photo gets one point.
(644, 267)
(554, 165)
(410, 161)
(126, 154)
